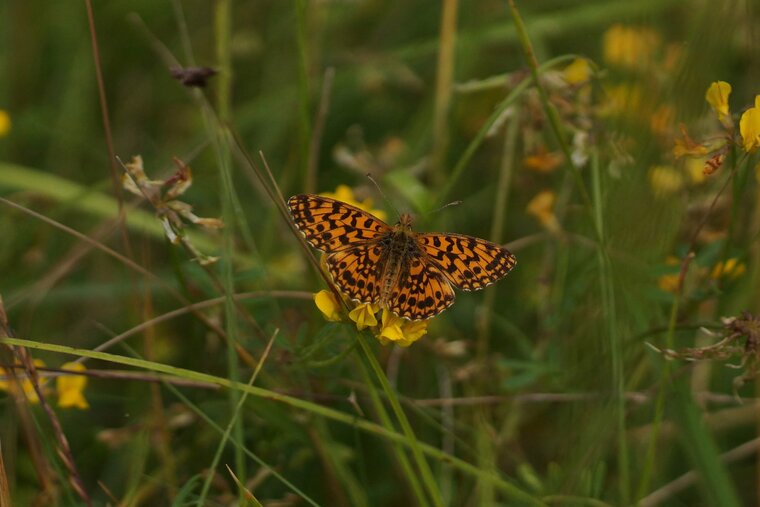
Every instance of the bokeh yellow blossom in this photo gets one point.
(669, 282)
(577, 72)
(364, 315)
(749, 126)
(328, 305)
(629, 47)
(400, 331)
(543, 161)
(5, 123)
(542, 207)
(26, 385)
(661, 121)
(345, 194)
(717, 96)
(731, 269)
(70, 387)
(622, 99)
(695, 170)
(665, 180)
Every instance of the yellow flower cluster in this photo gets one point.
(390, 328)
(728, 271)
(69, 388)
(712, 154)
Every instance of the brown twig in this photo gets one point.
(316, 132)
(107, 127)
(5, 489)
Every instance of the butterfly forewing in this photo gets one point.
(469, 263)
(331, 225)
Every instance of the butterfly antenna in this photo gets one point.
(453, 203)
(385, 197)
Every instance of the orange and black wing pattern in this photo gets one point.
(358, 272)
(331, 225)
(469, 263)
(422, 291)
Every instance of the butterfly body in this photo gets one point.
(409, 273)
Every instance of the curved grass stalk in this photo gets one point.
(508, 489)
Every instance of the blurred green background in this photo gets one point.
(543, 383)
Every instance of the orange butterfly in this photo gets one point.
(409, 273)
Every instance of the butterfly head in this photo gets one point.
(404, 222)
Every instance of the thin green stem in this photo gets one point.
(443, 86)
(659, 409)
(399, 452)
(422, 464)
(223, 33)
(304, 93)
(609, 307)
(549, 109)
(233, 421)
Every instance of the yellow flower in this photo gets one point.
(717, 96)
(629, 47)
(543, 161)
(665, 180)
(577, 72)
(623, 98)
(749, 126)
(662, 119)
(328, 305)
(364, 315)
(345, 194)
(731, 269)
(669, 282)
(26, 385)
(542, 207)
(401, 331)
(70, 387)
(695, 170)
(5, 123)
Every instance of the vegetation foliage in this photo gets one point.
(166, 337)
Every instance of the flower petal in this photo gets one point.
(717, 96)
(749, 126)
(364, 315)
(328, 305)
(70, 388)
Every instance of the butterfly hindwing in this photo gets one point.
(331, 225)
(469, 263)
(421, 292)
(357, 272)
